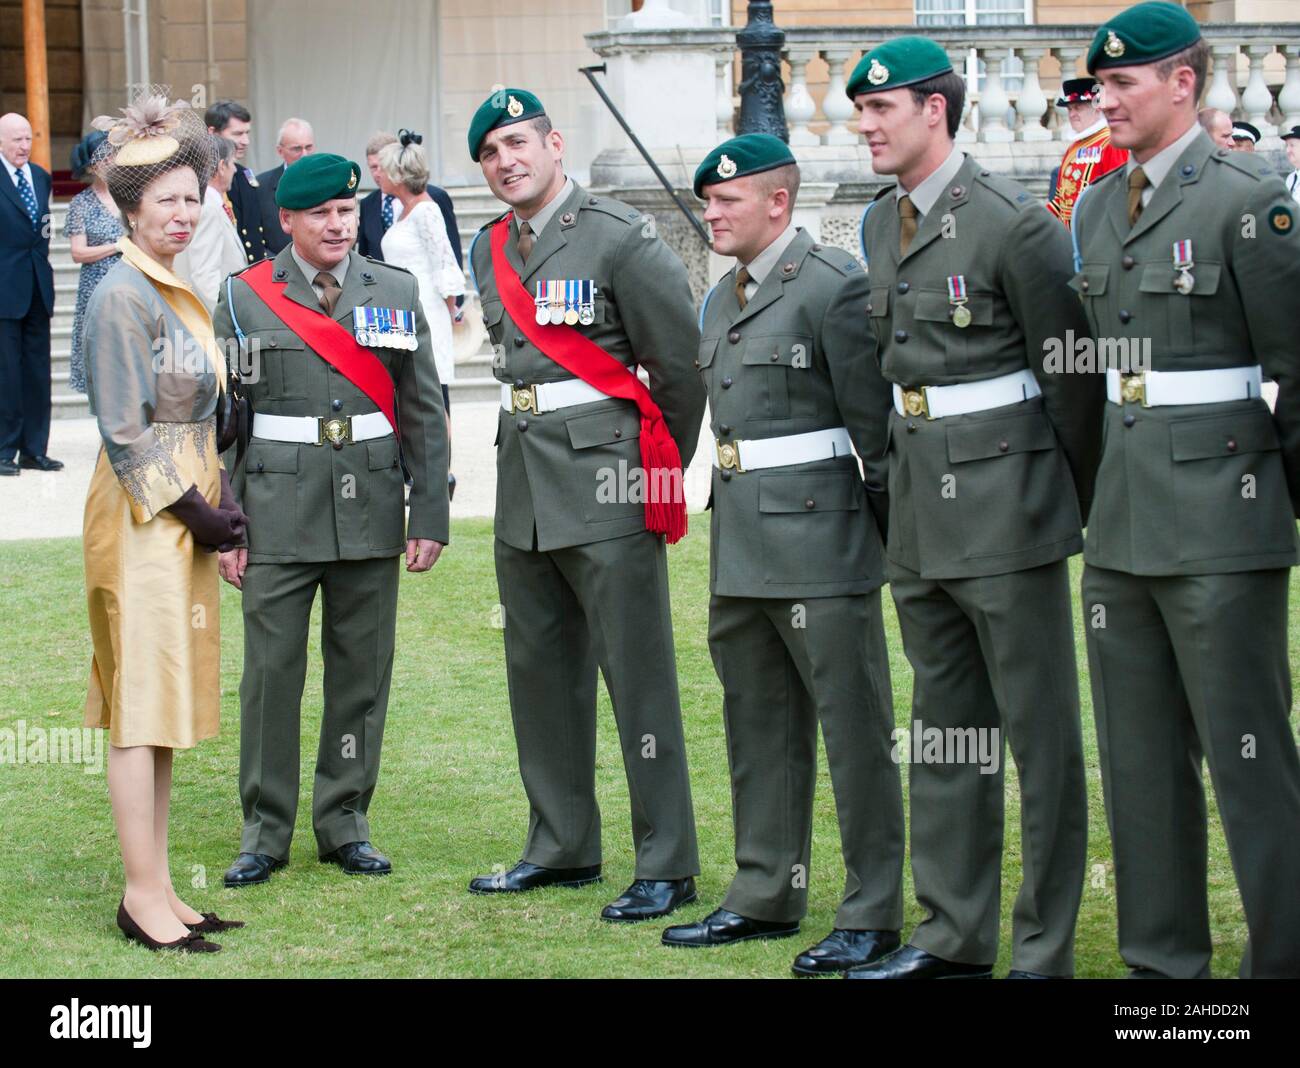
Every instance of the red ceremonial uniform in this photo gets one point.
(1086, 160)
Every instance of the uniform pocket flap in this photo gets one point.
(493, 310)
(1223, 435)
(1160, 278)
(1091, 281)
(778, 350)
(878, 304)
(265, 459)
(276, 339)
(935, 307)
(382, 453)
(708, 346)
(1000, 437)
(603, 428)
(830, 491)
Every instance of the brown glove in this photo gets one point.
(219, 528)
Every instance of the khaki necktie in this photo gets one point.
(742, 280)
(906, 223)
(1137, 181)
(330, 291)
(526, 241)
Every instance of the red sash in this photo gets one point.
(331, 341)
(580, 356)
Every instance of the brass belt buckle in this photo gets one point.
(728, 456)
(915, 402)
(338, 432)
(1133, 388)
(523, 399)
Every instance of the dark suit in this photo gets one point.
(273, 235)
(26, 305)
(370, 230)
(246, 200)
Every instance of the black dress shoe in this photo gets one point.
(40, 463)
(9, 467)
(1017, 973)
(912, 963)
(526, 876)
(648, 899)
(721, 928)
(358, 858)
(194, 942)
(250, 868)
(843, 949)
(1145, 973)
(212, 923)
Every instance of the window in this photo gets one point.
(980, 13)
(718, 12)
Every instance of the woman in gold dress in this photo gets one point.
(159, 504)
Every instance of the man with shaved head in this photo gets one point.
(26, 303)
(295, 141)
(1218, 124)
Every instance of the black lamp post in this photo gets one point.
(762, 109)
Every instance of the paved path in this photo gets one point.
(39, 505)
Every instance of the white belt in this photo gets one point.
(317, 430)
(1152, 388)
(549, 396)
(782, 452)
(936, 402)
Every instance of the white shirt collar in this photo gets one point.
(1158, 166)
(1095, 128)
(26, 168)
(762, 264)
(927, 191)
(339, 270)
(546, 213)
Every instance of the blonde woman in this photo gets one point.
(159, 503)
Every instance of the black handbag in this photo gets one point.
(232, 417)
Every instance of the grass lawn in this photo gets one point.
(449, 805)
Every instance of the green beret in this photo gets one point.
(315, 179)
(502, 108)
(1142, 34)
(894, 64)
(746, 154)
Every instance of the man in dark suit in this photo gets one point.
(233, 121)
(295, 141)
(26, 303)
(377, 216)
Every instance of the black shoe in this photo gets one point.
(214, 924)
(358, 858)
(843, 949)
(526, 876)
(648, 899)
(9, 467)
(721, 928)
(40, 463)
(1145, 973)
(912, 963)
(1017, 973)
(251, 868)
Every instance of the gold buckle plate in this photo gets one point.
(1133, 389)
(728, 456)
(523, 400)
(338, 432)
(915, 403)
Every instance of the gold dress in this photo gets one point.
(152, 593)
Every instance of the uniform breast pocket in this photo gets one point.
(278, 360)
(878, 312)
(271, 497)
(772, 363)
(387, 513)
(493, 310)
(1091, 284)
(935, 309)
(1229, 485)
(813, 526)
(704, 361)
(1188, 320)
(606, 468)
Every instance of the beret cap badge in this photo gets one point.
(726, 167)
(352, 181)
(878, 74)
(1114, 46)
(514, 108)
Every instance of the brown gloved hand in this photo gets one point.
(228, 504)
(211, 527)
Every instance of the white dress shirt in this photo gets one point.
(213, 252)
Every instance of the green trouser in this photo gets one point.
(567, 611)
(1185, 667)
(357, 631)
(995, 653)
(785, 666)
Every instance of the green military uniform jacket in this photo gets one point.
(1002, 490)
(799, 357)
(1197, 489)
(551, 466)
(311, 503)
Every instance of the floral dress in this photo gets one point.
(87, 215)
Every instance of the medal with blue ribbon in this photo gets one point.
(587, 307)
(957, 298)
